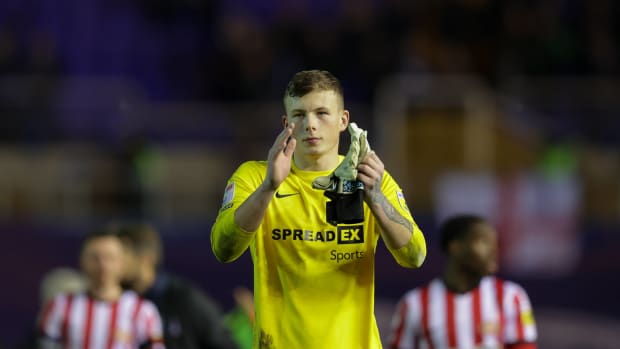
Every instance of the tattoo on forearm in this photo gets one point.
(394, 215)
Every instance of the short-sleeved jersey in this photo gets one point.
(495, 314)
(313, 282)
(80, 321)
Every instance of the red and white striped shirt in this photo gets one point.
(495, 314)
(82, 322)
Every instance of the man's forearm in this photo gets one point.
(232, 232)
(402, 237)
(395, 229)
(250, 214)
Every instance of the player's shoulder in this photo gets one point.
(180, 287)
(63, 297)
(389, 183)
(387, 176)
(501, 281)
(251, 172)
(187, 297)
(130, 296)
(141, 305)
(251, 166)
(509, 287)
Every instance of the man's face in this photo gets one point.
(319, 119)
(102, 261)
(479, 252)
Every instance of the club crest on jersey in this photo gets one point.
(401, 200)
(229, 194)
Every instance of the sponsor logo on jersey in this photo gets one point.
(303, 235)
(351, 234)
(344, 235)
(340, 256)
(280, 196)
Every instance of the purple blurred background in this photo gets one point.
(141, 109)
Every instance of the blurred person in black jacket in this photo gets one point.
(191, 319)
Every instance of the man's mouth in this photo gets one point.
(312, 140)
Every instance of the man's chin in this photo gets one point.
(311, 150)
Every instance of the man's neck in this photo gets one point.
(458, 280)
(317, 163)
(108, 293)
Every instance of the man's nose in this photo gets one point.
(310, 122)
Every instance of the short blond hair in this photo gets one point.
(307, 81)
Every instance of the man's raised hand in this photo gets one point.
(280, 157)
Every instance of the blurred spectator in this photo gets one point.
(191, 319)
(104, 315)
(466, 307)
(214, 50)
(31, 70)
(244, 60)
(61, 280)
(54, 282)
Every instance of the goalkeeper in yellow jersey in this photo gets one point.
(312, 218)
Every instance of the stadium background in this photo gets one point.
(141, 110)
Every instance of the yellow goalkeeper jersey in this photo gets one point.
(313, 282)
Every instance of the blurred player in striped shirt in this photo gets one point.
(104, 316)
(467, 307)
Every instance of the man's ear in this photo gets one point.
(344, 120)
(284, 121)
